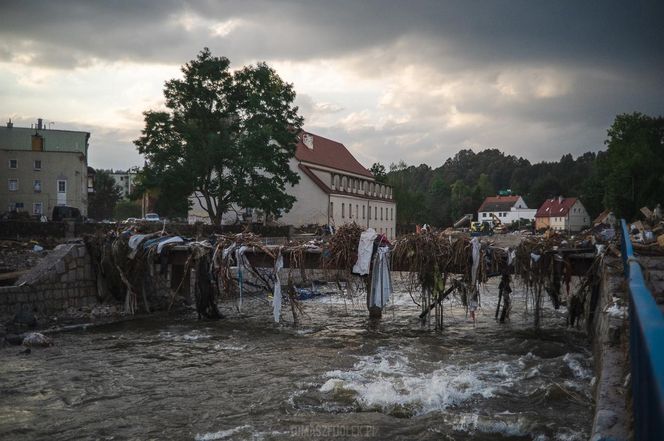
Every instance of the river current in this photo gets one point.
(336, 375)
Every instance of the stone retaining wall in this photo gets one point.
(610, 346)
(64, 279)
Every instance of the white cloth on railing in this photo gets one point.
(239, 258)
(381, 280)
(475, 243)
(276, 295)
(174, 239)
(364, 251)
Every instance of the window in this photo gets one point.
(392, 213)
(13, 163)
(62, 186)
(16, 206)
(369, 214)
(343, 210)
(376, 213)
(364, 209)
(357, 211)
(350, 211)
(331, 209)
(37, 164)
(37, 208)
(381, 213)
(13, 185)
(37, 185)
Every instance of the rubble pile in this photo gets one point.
(19, 255)
(648, 234)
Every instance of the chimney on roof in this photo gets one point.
(10, 124)
(40, 123)
(308, 141)
(560, 199)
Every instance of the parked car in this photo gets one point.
(62, 212)
(152, 217)
(130, 220)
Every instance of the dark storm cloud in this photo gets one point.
(543, 77)
(590, 33)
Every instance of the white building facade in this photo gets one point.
(507, 209)
(125, 180)
(334, 189)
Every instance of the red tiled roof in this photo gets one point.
(498, 203)
(330, 154)
(554, 207)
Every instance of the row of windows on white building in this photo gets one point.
(499, 215)
(355, 185)
(12, 185)
(388, 215)
(37, 207)
(13, 164)
(560, 219)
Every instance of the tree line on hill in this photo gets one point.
(627, 175)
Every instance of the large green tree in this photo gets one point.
(226, 137)
(106, 194)
(632, 170)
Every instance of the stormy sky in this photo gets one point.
(392, 80)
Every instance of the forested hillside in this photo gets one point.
(626, 174)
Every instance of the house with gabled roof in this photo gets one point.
(506, 209)
(334, 189)
(562, 214)
(43, 168)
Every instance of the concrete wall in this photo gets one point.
(68, 166)
(63, 279)
(610, 342)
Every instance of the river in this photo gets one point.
(336, 375)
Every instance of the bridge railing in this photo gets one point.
(646, 347)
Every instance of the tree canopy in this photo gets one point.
(626, 176)
(107, 193)
(226, 137)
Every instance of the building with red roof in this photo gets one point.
(506, 209)
(562, 214)
(334, 189)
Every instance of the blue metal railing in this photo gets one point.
(646, 349)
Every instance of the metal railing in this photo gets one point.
(646, 349)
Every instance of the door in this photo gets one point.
(62, 192)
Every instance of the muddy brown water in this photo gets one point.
(336, 375)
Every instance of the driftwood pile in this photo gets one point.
(434, 265)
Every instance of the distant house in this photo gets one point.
(43, 168)
(334, 189)
(126, 181)
(507, 209)
(562, 214)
